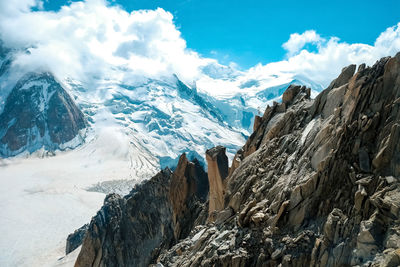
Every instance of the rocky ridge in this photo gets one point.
(132, 230)
(316, 184)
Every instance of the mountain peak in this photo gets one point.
(38, 113)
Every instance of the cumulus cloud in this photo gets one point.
(332, 55)
(320, 66)
(92, 39)
(297, 41)
(13, 7)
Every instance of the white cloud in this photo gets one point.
(389, 40)
(320, 66)
(14, 7)
(297, 41)
(92, 39)
(331, 56)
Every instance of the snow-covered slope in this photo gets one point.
(162, 118)
(42, 200)
(133, 127)
(239, 96)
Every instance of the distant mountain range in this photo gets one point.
(160, 118)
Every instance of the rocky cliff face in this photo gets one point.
(217, 172)
(38, 113)
(132, 230)
(316, 184)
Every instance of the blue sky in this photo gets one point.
(253, 31)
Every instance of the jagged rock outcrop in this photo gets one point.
(38, 113)
(75, 239)
(126, 230)
(217, 172)
(316, 184)
(132, 230)
(188, 188)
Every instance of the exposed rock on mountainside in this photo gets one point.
(217, 172)
(38, 113)
(131, 230)
(75, 239)
(188, 188)
(316, 184)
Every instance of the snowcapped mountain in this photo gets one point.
(66, 142)
(39, 113)
(159, 118)
(240, 98)
(162, 118)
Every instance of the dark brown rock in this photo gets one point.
(257, 122)
(188, 187)
(38, 113)
(75, 239)
(290, 93)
